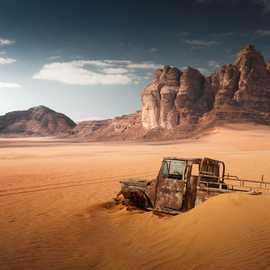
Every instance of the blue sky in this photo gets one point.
(91, 59)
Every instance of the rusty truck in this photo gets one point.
(182, 183)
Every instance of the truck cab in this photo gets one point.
(181, 182)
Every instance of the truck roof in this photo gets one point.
(187, 159)
(195, 160)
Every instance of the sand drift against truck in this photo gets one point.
(183, 183)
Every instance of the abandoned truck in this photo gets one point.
(182, 184)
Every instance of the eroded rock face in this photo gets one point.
(190, 91)
(254, 82)
(173, 96)
(170, 76)
(168, 114)
(176, 96)
(225, 84)
(158, 99)
(151, 106)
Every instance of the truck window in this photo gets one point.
(174, 169)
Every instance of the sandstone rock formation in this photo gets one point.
(175, 98)
(168, 102)
(179, 104)
(37, 121)
(254, 83)
(119, 128)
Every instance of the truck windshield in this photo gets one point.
(174, 169)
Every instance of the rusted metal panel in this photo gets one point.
(170, 194)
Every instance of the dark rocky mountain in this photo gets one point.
(37, 121)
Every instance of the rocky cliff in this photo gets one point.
(181, 103)
(37, 121)
(237, 91)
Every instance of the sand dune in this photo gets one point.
(55, 211)
(227, 232)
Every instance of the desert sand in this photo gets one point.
(56, 210)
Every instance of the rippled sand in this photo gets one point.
(54, 210)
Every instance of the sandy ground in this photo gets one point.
(54, 210)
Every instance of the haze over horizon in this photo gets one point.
(90, 60)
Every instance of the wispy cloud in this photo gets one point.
(76, 73)
(54, 57)
(6, 60)
(153, 50)
(93, 72)
(213, 64)
(262, 33)
(9, 85)
(115, 70)
(222, 34)
(110, 62)
(198, 43)
(183, 34)
(6, 42)
(145, 65)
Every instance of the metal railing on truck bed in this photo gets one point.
(232, 183)
(246, 183)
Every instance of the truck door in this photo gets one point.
(171, 185)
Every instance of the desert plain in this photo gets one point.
(56, 209)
